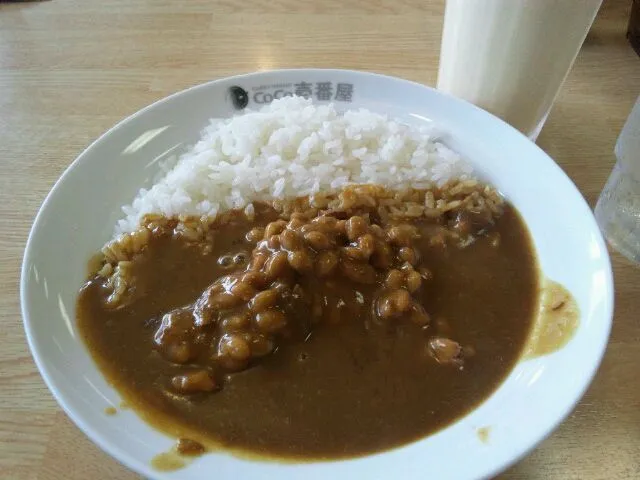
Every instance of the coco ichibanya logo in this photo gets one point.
(320, 91)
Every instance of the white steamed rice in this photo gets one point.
(293, 148)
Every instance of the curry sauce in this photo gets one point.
(328, 334)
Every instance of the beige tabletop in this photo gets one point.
(70, 69)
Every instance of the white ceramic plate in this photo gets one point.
(78, 216)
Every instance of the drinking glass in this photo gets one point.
(618, 208)
(511, 57)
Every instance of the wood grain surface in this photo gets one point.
(70, 69)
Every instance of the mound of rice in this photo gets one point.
(293, 148)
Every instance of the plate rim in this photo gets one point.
(139, 466)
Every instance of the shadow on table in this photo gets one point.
(19, 4)
(583, 148)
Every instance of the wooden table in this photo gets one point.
(69, 69)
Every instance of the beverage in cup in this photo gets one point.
(510, 57)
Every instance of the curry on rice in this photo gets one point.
(321, 327)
